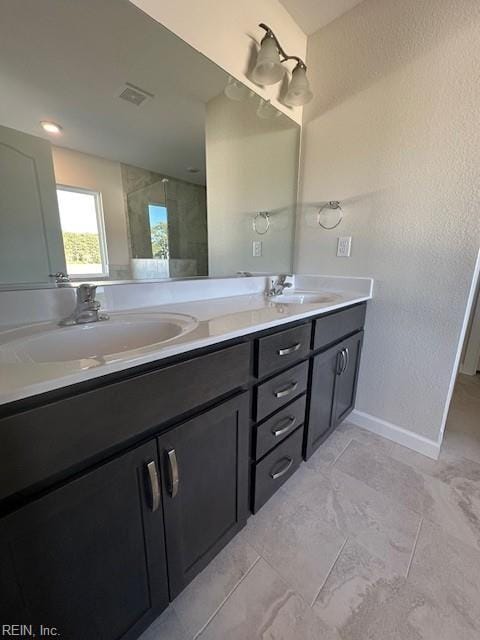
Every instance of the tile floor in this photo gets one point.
(367, 541)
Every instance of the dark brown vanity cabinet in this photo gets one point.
(115, 495)
(347, 378)
(103, 554)
(91, 558)
(333, 389)
(204, 468)
(88, 558)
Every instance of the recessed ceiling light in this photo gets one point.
(51, 127)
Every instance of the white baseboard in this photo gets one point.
(468, 371)
(397, 434)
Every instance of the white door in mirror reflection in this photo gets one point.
(31, 244)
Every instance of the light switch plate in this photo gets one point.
(257, 248)
(344, 247)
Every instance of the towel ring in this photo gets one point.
(263, 215)
(333, 205)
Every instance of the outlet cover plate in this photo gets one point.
(257, 248)
(344, 247)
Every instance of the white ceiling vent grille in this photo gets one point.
(135, 95)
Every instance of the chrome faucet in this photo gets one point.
(60, 277)
(87, 308)
(279, 285)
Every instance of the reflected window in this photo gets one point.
(158, 217)
(81, 219)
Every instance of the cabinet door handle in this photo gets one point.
(154, 485)
(173, 477)
(347, 360)
(288, 350)
(282, 472)
(286, 391)
(287, 424)
(340, 362)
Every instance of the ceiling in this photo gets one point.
(311, 15)
(69, 61)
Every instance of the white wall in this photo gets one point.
(76, 169)
(394, 133)
(252, 166)
(226, 31)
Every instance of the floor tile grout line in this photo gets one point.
(414, 547)
(287, 583)
(202, 629)
(342, 452)
(329, 467)
(330, 571)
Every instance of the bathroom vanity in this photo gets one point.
(118, 489)
(143, 419)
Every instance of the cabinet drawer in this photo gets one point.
(73, 431)
(275, 468)
(334, 327)
(275, 393)
(282, 349)
(279, 426)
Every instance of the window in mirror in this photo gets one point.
(158, 222)
(158, 218)
(81, 219)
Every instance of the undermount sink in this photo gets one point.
(306, 297)
(121, 334)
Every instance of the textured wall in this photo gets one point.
(394, 133)
(252, 166)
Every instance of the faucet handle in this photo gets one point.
(86, 292)
(60, 277)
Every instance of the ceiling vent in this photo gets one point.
(135, 95)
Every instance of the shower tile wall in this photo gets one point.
(187, 218)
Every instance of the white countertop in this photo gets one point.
(219, 319)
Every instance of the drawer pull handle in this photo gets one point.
(282, 472)
(286, 391)
(173, 478)
(288, 423)
(347, 359)
(154, 485)
(340, 362)
(288, 350)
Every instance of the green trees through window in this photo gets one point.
(81, 248)
(159, 231)
(81, 219)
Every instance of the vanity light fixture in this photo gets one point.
(269, 70)
(235, 90)
(266, 110)
(51, 127)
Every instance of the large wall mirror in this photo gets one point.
(125, 154)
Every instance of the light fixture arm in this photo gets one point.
(281, 50)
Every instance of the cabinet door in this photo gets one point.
(346, 387)
(204, 465)
(88, 558)
(326, 366)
